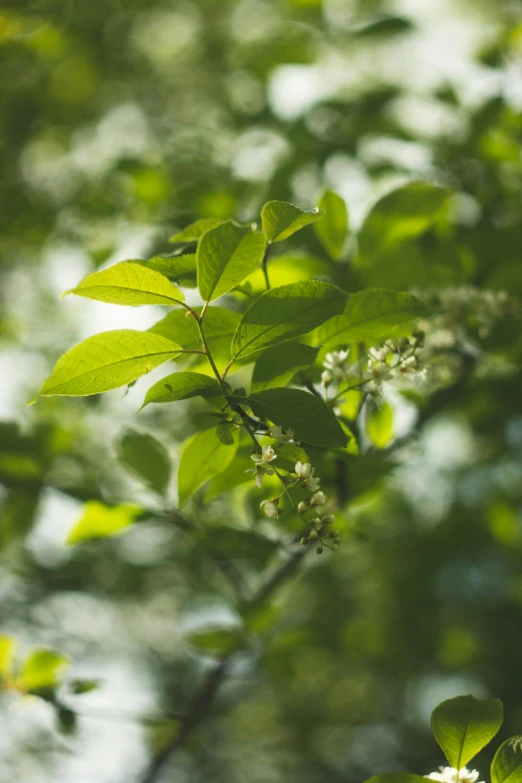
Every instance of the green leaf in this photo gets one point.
(203, 457)
(277, 365)
(280, 219)
(384, 26)
(226, 255)
(371, 317)
(310, 419)
(286, 312)
(225, 433)
(180, 327)
(106, 361)
(80, 686)
(332, 229)
(128, 283)
(379, 424)
(233, 476)
(147, 458)
(7, 652)
(41, 670)
(507, 762)
(173, 267)
(402, 214)
(101, 521)
(217, 641)
(464, 725)
(195, 231)
(182, 386)
(290, 453)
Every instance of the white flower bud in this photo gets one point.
(271, 508)
(318, 499)
(326, 378)
(303, 470)
(302, 507)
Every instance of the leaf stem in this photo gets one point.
(264, 266)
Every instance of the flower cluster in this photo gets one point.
(452, 775)
(320, 531)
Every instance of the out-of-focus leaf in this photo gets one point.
(203, 457)
(41, 670)
(128, 283)
(280, 220)
(147, 458)
(101, 521)
(507, 762)
(332, 228)
(216, 641)
(107, 361)
(379, 424)
(277, 365)
(384, 26)
(7, 652)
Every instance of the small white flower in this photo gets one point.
(335, 359)
(326, 378)
(453, 775)
(268, 454)
(271, 508)
(303, 469)
(318, 499)
(312, 483)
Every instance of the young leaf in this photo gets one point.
(203, 457)
(101, 521)
(332, 229)
(225, 433)
(379, 424)
(182, 386)
(106, 361)
(7, 653)
(278, 364)
(195, 231)
(128, 283)
(41, 669)
(147, 458)
(310, 419)
(402, 214)
(507, 762)
(280, 219)
(464, 725)
(371, 316)
(286, 312)
(226, 255)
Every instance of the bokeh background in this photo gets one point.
(120, 122)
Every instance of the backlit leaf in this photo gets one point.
(195, 230)
(507, 762)
(41, 670)
(129, 283)
(379, 424)
(332, 228)
(182, 386)
(226, 255)
(464, 725)
(279, 363)
(7, 653)
(280, 219)
(106, 361)
(286, 312)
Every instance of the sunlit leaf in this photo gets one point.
(507, 762)
(226, 255)
(310, 419)
(101, 521)
(41, 670)
(203, 456)
(173, 267)
(180, 327)
(379, 424)
(286, 312)
(106, 361)
(464, 725)
(280, 219)
(182, 386)
(129, 283)
(7, 652)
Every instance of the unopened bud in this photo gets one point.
(302, 508)
(320, 549)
